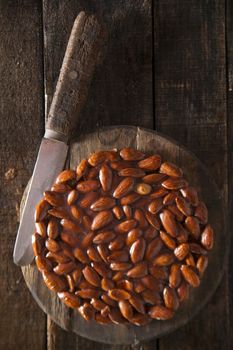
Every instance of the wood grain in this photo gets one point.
(22, 323)
(121, 91)
(190, 100)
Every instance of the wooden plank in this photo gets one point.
(229, 36)
(190, 98)
(22, 323)
(121, 92)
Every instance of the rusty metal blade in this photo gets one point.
(50, 161)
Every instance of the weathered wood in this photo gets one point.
(229, 36)
(22, 323)
(108, 138)
(190, 100)
(121, 92)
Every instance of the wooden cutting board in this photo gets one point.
(198, 176)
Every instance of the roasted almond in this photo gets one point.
(202, 263)
(118, 294)
(183, 206)
(196, 248)
(150, 233)
(137, 303)
(91, 276)
(168, 222)
(133, 235)
(65, 176)
(151, 297)
(71, 225)
(61, 188)
(37, 244)
(168, 240)
(139, 270)
(129, 153)
(181, 251)
(107, 284)
(155, 206)
(159, 272)
(116, 316)
(87, 186)
(165, 259)
(190, 260)
(171, 169)
(76, 212)
(87, 311)
(158, 193)
(152, 219)
(207, 237)
(52, 245)
(88, 199)
(72, 197)
(105, 176)
(41, 210)
(132, 172)
(120, 164)
(87, 239)
(161, 312)
(192, 225)
(152, 179)
(54, 282)
(150, 163)
(102, 319)
(170, 298)
(137, 250)
(126, 226)
(128, 211)
(59, 212)
(130, 198)
(175, 276)
(125, 309)
(88, 293)
(153, 248)
(103, 252)
(170, 198)
(102, 219)
(58, 257)
(140, 217)
(179, 216)
(174, 183)
(70, 238)
(140, 319)
(81, 255)
(120, 266)
(93, 254)
(55, 199)
(82, 168)
(119, 256)
(152, 283)
(103, 203)
(104, 237)
(124, 187)
(190, 276)
(117, 244)
(143, 189)
(41, 229)
(102, 269)
(125, 284)
(190, 194)
(43, 264)
(201, 213)
(64, 268)
(118, 212)
(183, 291)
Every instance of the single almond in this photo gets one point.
(140, 319)
(159, 272)
(41, 229)
(91, 276)
(117, 244)
(37, 244)
(133, 235)
(65, 176)
(131, 154)
(132, 172)
(87, 239)
(137, 250)
(103, 203)
(43, 264)
(93, 254)
(130, 198)
(152, 219)
(152, 283)
(159, 192)
(190, 276)
(174, 183)
(169, 242)
(181, 251)
(59, 212)
(88, 293)
(170, 198)
(155, 206)
(138, 304)
(125, 284)
(153, 248)
(104, 237)
(170, 298)
(87, 200)
(86, 311)
(102, 219)
(118, 212)
(179, 216)
(120, 164)
(125, 309)
(190, 194)
(55, 199)
(72, 197)
(171, 169)
(202, 263)
(120, 266)
(140, 217)
(64, 268)
(116, 316)
(150, 163)
(192, 225)
(102, 269)
(183, 206)
(52, 245)
(70, 238)
(125, 226)
(71, 225)
(103, 252)
(118, 294)
(127, 209)
(183, 291)
(81, 255)
(119, 256)
(107, 284)
(124, 187)
(152, 179)
(139, 270)
(165, 259)
(201, 213)
(105, 177)
(143, 189)
(87, 186)
(175, 276)
(207, 238)
(169, 223)
(82, 168)
(41, 210)
(54, 282)
(196, 248)
(151, 297)
(160, 312)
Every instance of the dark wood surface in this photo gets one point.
(169, 66)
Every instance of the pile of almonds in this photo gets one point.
(122, 238)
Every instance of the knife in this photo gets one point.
(81, 57)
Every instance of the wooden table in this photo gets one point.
(168, 66)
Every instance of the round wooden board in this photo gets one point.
(198, 176)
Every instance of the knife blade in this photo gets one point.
(81, 57)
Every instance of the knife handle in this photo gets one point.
(81, 57)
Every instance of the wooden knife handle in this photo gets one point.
(81, 57)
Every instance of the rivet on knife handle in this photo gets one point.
(81, 57)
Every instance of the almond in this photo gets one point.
(107, 284)
(97, 158)
(201, 213)
(41, 210)
(137, 250)
(160, 192)
(192, 225)
(151, 283)
(170, 198)
(151, 297)
(161, 312)
(183, 291)
(93, 254)
(120, 266)
(58, 257)
(105, 176)
(87, 186)
(190, 194)
(138, 304)
(102, 319)
(117, 243)
(81, 255)
(64, 268)
(159, 272)
(88, 199)
(70, 238)
(171, 169)
(190, 276)
(37, 244)
(165, 259)
(76, 212)
(120, 164)
(70, 225)
(124, 187)
(175, 276)
(197, 249)
(82, 168)
(173, 183)
(150, 233)
(152, 219)
(125, 284)
(155, 206)
(202, 263)
(72, 197)
(43, 264)
(118, 212)
(176, 212)
(102, 269)
(139, 270)
(170, 298)
(102, 219)
(54, 282)
(69, 299)
(118, 294)
(103, 203)
(55, 199)
(125, 309)
(87, 239)
(116, 316)
(128, 211)
(41, 229)
(183, 206)
(52, 245)
(103, 252)
(169, 242)
(104, 237)
(152, 179)
(132, 172)
(98, 304)
(133, 235)
(140, 320)
(140, 217)
(59, 212)
(61, 188)
(150, 163)
(169, 223)
(87, 311)
(131, 154)
(190, 260)
(118, 256)
(65, 176)
(130, 198)
(91, 276)
(88, 293)
(153, 248)
(207, 237)
(142, 189)
(125, 226)
(181, 251)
